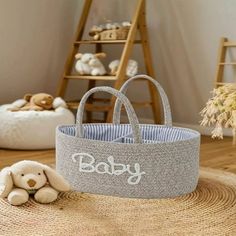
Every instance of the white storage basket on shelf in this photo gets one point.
(128, 160)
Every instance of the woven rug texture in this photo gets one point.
(210, 210)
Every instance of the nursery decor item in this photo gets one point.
(105, 105)
(209, 210)
(90, 64)
(36, 102)
(131, 70)
(26, 178)
(31, 129)
(128, 160)
(220, 111)
(115, 34)
(110, 31)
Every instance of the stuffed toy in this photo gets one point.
(27, 178)
(131, 70)
(37, 102)
(96, 31)
(90, 64)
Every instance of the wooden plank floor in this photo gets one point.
(220, 154)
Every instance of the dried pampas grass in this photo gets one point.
(220, 111)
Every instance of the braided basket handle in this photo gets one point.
(122, 98)
(164, 99)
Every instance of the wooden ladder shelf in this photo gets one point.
(221, 62)
(138, 24)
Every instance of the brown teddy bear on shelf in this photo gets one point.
(36, 102)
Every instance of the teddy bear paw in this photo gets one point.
(18, 197)
(46, 195)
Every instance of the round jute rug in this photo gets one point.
(210, 210)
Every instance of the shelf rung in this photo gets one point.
(229, 44)
(104, 42)
(227, 63)
(99, 108)
(141, 104)
(135, 104)
(224, 83)
(88, 107)
(103, 100)
(90, 77)
(96, 121)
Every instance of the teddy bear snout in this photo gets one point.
(31, 183)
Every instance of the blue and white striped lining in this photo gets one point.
(123, 133)
(107, 132)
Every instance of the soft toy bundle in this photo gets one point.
(131, 70)
(31, 178)
(90, 64)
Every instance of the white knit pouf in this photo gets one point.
(30, 130)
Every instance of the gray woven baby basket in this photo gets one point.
(128, 160)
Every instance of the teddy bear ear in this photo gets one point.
(56, 180)
(78, 55)
(100, 55)
(6, 182)
(28, 96)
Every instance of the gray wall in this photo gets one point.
(34, 40)
(36, 36)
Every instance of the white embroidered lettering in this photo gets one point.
(84, 166)
(87, 164)
(135, 174)
(103, 166)
(115, 167)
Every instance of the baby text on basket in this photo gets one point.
(87, 164)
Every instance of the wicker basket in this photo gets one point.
(115, 34)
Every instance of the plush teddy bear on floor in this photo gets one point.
(26, 178)
(36, 102)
